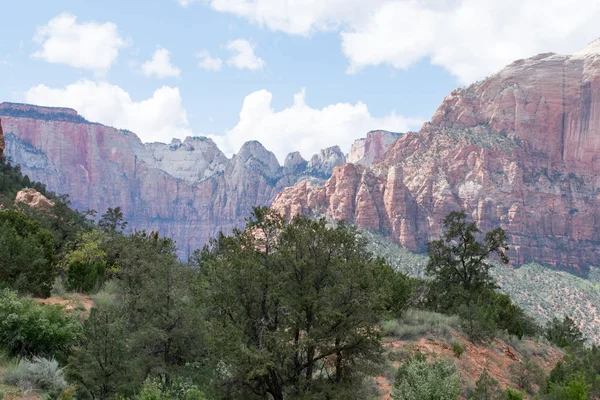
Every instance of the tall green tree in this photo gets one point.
(27, 261)
(458, 262)
(294, 308)
(101, 366)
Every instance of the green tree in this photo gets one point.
(101, 367)
(86, 263)
(294, 307)
(419, 380)
(112, 221)
(564, 333)
(526, 374)
(486, 388)
(458, 262)
(165, 323)
(27, 261)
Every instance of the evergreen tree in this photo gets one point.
(458, 263)
(294, 307)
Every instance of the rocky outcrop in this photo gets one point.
(371, 149)
(322, 164)
(520, 150)
(33, 199)
(194, 159)
(188, 190)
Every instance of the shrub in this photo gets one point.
(457, 348)
(419, 380)
(37, 374)
(514, 394)
(564, 333)
(28, 328)
(526, 374)
(477, 320)
(85, 277)
(418, 323)
(486, 388)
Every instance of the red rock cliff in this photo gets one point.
(520, 150)
(187, 190)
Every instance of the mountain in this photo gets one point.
(188, 190)
(518, 150)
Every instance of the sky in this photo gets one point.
(297, 75)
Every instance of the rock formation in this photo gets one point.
(520, 149)
(188, 190)
(33, 199)
(371, 149)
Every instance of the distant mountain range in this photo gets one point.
(188, 190)
(520, 150)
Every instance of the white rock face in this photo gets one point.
(193, 160)
(370, 149)
(322, 164)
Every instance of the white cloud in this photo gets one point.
(159, 118)
(305, 129)
(87, 45)
(243, 56)
(160, 65)
(469, 38)
(207, 62)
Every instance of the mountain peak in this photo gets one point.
(592, 49)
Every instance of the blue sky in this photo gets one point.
(308, 74)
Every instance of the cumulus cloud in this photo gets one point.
(158, 118)
(88, 45)
(207, 62)
(160, 65)
(469, 38)
(243, 56)
(303, 128)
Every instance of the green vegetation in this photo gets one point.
(486, 388)
(279, 310)
(418, 379)
(28, 328)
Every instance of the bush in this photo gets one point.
(486, 388)
(37, 374)
(85, 277)
(418, 323)
(419, 380)
(28, 328)
(526, 374)
(564, 333)
(457, 348)
(477, 320)
(514, 394)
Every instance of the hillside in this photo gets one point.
(543, 292)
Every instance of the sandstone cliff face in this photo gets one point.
(188, 190)
(520, 150)
(371, 149)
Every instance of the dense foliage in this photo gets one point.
(278, 310)
(294, 307)
(418, 379)
(28, 328)
(461, 282)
